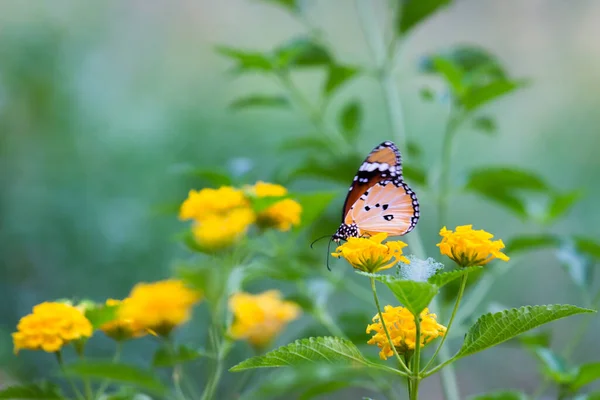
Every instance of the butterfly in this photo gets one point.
(379, 200)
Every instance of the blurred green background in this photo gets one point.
(105, 107)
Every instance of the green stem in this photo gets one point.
(445, 162)
(416, 378)
(385, 329)
(76, 391)
(461, 291)
(212, 385)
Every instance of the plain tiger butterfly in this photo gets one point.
(379, 200)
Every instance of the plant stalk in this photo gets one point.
(461, 291)
(385, 329)
(416, 378)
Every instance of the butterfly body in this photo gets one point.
(379, 200)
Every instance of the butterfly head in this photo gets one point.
(344, 232)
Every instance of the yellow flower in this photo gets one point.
(121, 329)
(219, 231)
(159, 306)
(259, 318)
(369, 254)
(468, 247)
(401, 326)
(51, 326)
(207, 202)
(281, 215)
(264, 189)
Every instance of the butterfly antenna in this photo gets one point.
(317, 239)
(328, 254)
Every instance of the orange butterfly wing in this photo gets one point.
(388, 206)
(383, 162)
(379, 200)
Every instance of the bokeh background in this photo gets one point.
(105, 107)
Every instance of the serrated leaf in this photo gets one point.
(329, 350)
(116, 372)
(259, 101)
(101, 314)
(337, 76)
(412, 12)
(501, 395)
(492, 329)
(521, 243)
(477, 96)
(415, 296)
(350, 117)
(443, 278)
(561, 203)
(42, 391)
(165, 357)
(247, 60)
(586, 374)
(485, 124)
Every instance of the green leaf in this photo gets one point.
(485, 124)
(521, 243)
(115, 372)
(427, 94)
(165, 357)
(260, 204)
(313, 205)
(505, 185)
(588, 246)
(309, 381)
(213, 176)
(480, 95)
(302, 52)
(330, 350)
(290, 5)
(350, 118)
(337, 76)
(45, 391)
(586, 374)
(534, 340)
(101, 314)
(588, 396)
(492, 329)
(443, 278)
(259, 101)
(501, 395)
(506, 178)
(415, 296)
(204, 277)
(247, 60)
(412, 12)
(451, 73)
(560, 203)
(577, 265)
(413, 149)
(554, 366)
(415, 175)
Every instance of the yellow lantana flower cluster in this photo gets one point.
(51, 326)
(158, 307)
(222, 216)
(121, 328)
(370, 254)
(469, 247)
(259, 318)
(402, 329)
